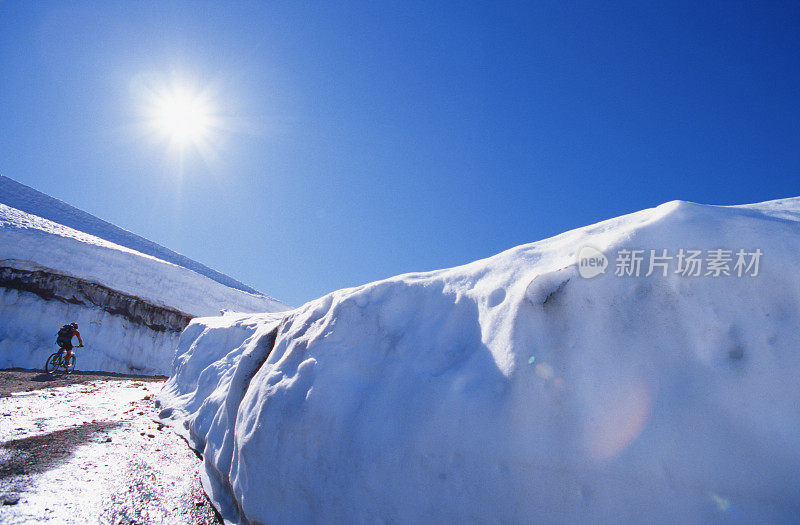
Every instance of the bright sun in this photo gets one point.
(183, 117)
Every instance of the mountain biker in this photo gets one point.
(64, 340)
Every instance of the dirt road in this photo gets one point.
(86, 448)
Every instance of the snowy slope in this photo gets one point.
(30, 241)
(31, 201)
(131, 306)
(513, 389)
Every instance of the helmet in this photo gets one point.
(74, 325)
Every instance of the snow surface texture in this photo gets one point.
(78, 266)
(514, 390)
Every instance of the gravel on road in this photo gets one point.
(87, 448)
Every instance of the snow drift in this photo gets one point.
(514, 390)
(131, 306)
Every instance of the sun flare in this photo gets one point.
(183, 117)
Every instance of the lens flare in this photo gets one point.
(544, 371)
(618, 414)
(723, 504)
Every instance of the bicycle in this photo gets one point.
(56, 361)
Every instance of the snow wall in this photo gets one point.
(131, 307)
(123, 333)
(514, 390)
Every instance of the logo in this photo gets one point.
(591, 262)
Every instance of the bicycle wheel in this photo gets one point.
(70, 366)
(53, 363)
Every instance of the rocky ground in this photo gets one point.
(86, 448)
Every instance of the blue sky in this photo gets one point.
(362, 140)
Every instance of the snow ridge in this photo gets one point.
(59, 249)
(29, 200)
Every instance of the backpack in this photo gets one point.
(65, 332)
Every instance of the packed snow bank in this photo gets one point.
(513, 389)
(131, 306)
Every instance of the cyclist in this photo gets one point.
(64, 340)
